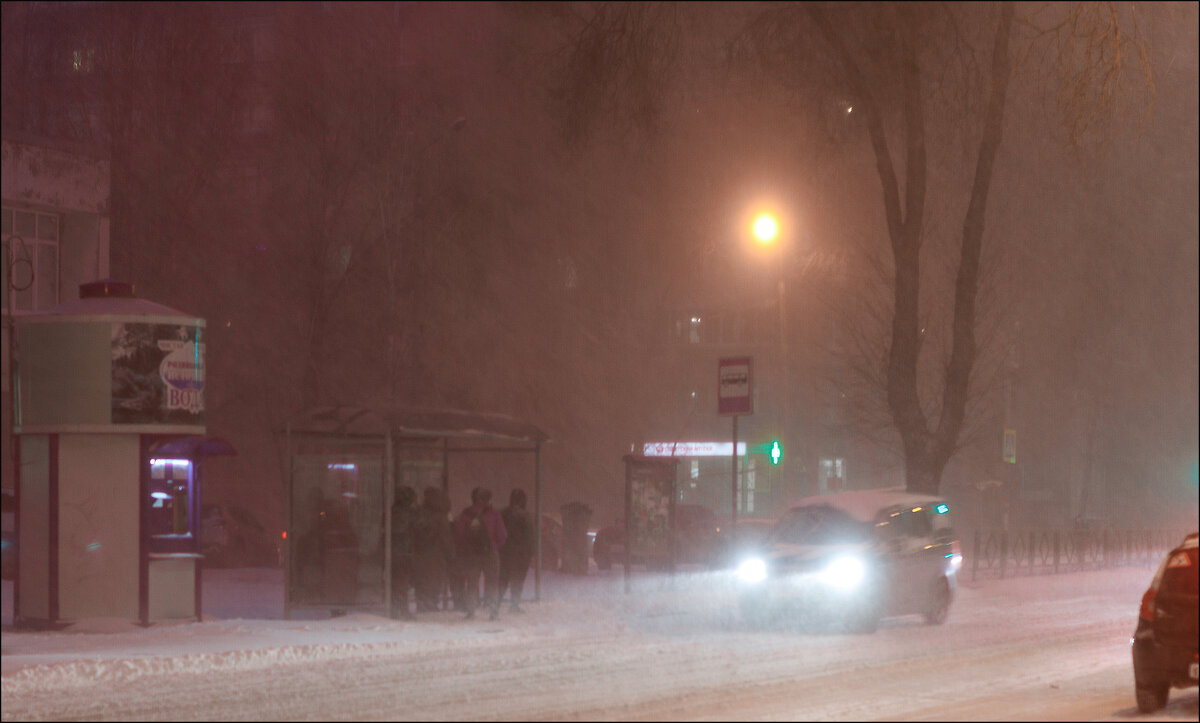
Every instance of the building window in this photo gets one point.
(83, 60)
(30, 260)
(833, 475)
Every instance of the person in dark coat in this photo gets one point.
(517, 550)
(478, 535)
(433, 540)
(404, 515)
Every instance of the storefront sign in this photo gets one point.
(691, 449)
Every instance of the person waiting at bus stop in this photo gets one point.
(479, 533)
(517, 550)
(403, 518)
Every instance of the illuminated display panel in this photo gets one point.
(170, 517)
(692, 449)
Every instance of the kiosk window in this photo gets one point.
(170, 515)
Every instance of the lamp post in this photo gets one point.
(766, 232)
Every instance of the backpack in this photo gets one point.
(479, 542)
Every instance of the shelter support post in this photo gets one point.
(389, 493)
(537, 524)
(289, 527)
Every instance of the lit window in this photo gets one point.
(83, 60)
(30, 260)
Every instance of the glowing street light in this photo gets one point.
(765, 228)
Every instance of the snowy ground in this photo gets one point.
(1041, 648)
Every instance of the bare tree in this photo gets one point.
(930, 83)
(355, 119)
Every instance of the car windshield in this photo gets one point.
(819, 525)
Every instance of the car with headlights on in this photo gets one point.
(1165, 641)
(853, 558)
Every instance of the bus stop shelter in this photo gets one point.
(344, 465)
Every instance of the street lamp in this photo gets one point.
(765, 229)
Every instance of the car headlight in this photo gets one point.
(844, 573)
(752, 570)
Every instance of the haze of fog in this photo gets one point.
(500, 264)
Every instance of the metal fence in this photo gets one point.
(1000, 553)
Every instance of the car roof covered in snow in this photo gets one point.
(863, 505)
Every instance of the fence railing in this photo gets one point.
(1001, 553)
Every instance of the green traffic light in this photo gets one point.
(776, 452)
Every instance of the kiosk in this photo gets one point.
(111, 436)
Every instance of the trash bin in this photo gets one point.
(576, 516)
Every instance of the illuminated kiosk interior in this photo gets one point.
(111, 438)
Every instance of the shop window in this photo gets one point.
(170, 520)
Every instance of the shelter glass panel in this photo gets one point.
(338, 526)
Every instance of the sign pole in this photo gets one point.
(734, 486)
(735, 395)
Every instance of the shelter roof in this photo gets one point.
(403, 421)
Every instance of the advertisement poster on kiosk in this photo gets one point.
(157, 374)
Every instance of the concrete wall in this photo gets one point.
(98, 520)
(46, 177)
(33, 545)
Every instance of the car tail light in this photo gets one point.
(1147, 610)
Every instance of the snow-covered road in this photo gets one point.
(1044, 648)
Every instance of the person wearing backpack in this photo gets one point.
(517, 550)
(479, 534)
